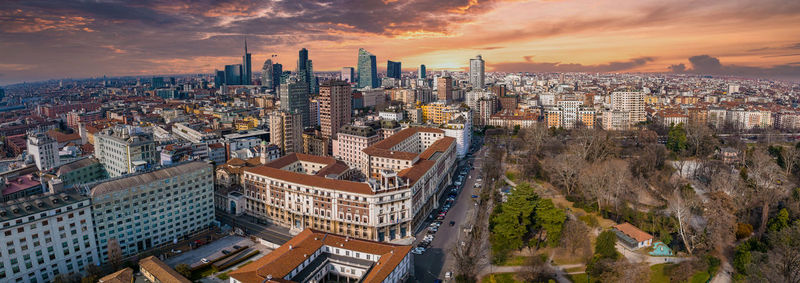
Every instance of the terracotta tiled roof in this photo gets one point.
(311, 180)
(62, 137)
(633, 232)
(280, 262)
(121, 276)
(161, 271)
(332, 166)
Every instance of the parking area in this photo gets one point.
(213, 250)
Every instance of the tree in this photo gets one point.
(780, 221)
(699, 140)
(681, 210)
(534, 137)
(791, 155)
(782, 262)
(575, 236)
(719, 212)
(605, 245)
(624, 271)
(536, 270)
(676, 138)
(591, 144)
(511, 221)
(184, 270)
(114, 253)
(649, 159)
(550, 219)
(564, 170)
(766, 182)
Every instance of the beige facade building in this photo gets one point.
(335, 107)
(286, 130)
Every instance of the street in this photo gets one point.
(437, 259)
(272, 233)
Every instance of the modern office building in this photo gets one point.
(277, 73)
(317, 256)
(294, 98)
(335, 107)
(305, 71)
(393, 69)
(348, 74)
(43, 149)
(367, 70)
(45, 236)
(268, 75)
(247, 67)
(444, 89)
(476, 72)
(149, 209)
(123, 150)
(233, 74)
(286, 130)
(421, 72)
(219, 78)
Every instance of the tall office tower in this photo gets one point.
(335, 107)
(286, 130)
(294, 98)
(421, 72)
(136, 213)
(304, 70)
(367, 70)
(123, 150)
(233, 74)
(267, 74)
(348, 74)
(476, 75)
(44, 150)
(46, 235)
(632, 102)
(313, 85)
(444, 89)
(2, 93)
(247, 67)
(219, 78)
(393, 69)
(277, 72)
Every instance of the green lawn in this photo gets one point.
(514, 261)
(579, 278)
(657, 274)
(500, 278)
(700, 277)
(223, 276)
(202, 273)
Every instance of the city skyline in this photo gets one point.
(69, 40)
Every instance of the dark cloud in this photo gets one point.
(530, 66)
(708, 65)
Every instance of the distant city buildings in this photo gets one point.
(335, 107)
(393, 69)
(476, 72)
(367, 70)
(348, 74)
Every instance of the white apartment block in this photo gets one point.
(632, 102)
(190, 133)
(150, 209)
(460, 128)
(44, 236)
(44, 150)
(123, 150)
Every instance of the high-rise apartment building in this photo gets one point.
(444, 89)
(294, 98)
(476, 74)
(335, 107)
(348, 74)
(44, 150)
(247, 67)
(421, 72)
(367, 70)
(632, 102)
(286, 131)
(393, 69)
(45, 236)
(123, 150)
(142, 211)
(268, 75)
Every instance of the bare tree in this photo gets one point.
(575, 236)
(790, 158)
(767, 184)
(624, 271)
(782, 262)
(679, 207)
(536, 270)
(534, 137)
(594, 182)
(564, 170)
(592, 144)
(719, 212)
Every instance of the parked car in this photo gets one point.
(448, 275)
(452, 223)
(236, 247)
(226, 252)
(204, 260)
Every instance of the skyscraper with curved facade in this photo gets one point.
(367, 69)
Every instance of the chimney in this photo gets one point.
(290, 247)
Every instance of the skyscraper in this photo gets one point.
(393, 69)
(348, 74)
(219, 78)
(444, 89)
(233, 74)
(367, 69)
(268, 75)
(286, 131)
(334, 107)
(421, 72)
(247, 67)
(476, 76)
(277, 72)
(294, 98)
(305, 70)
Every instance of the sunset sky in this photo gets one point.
(59, 39)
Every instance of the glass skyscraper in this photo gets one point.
(367, 70)
(393, 69)
(305, 71)
(268, 75)
(421, 73)
(247, 67)
(233, 74)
